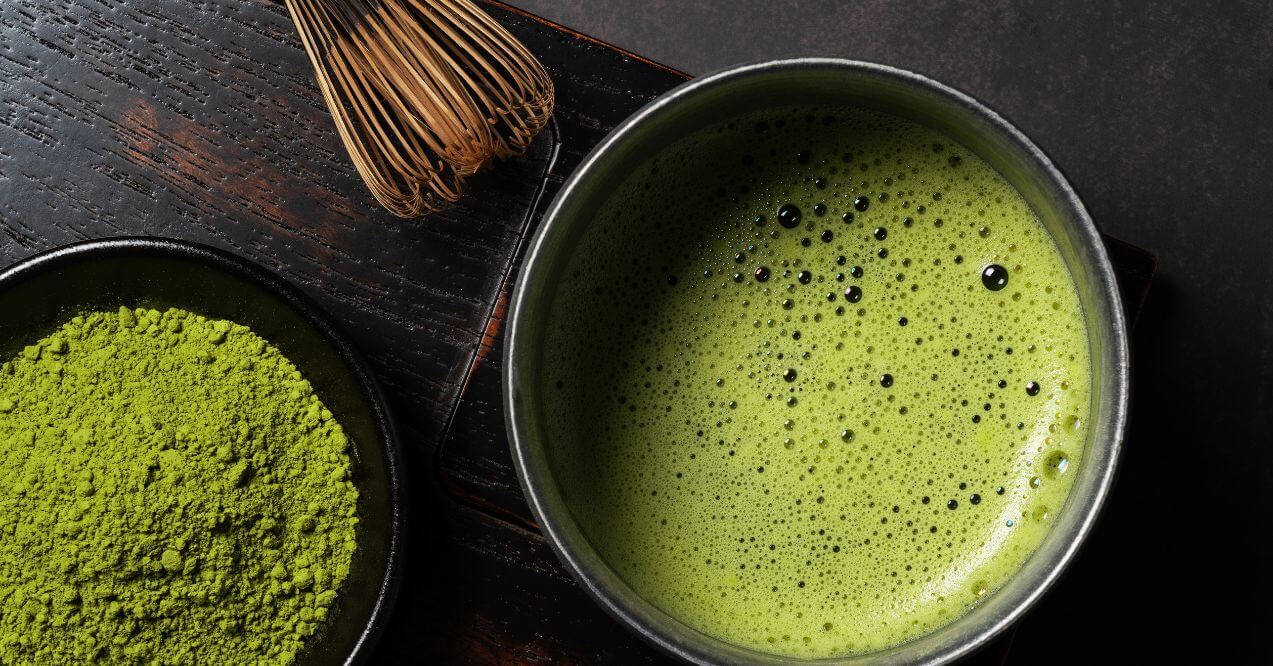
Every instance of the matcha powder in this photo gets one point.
(171, 491)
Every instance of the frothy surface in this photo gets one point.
(817, 382)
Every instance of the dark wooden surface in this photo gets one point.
(200, 120)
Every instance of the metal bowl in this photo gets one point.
(161, 273)
(711, 100)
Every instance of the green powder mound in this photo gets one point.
(171, 491)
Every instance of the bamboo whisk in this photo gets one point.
(424, 92)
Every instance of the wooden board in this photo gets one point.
(199, 119)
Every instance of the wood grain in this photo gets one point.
(200, 120)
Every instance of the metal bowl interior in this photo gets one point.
(819, 82)
(150, 272)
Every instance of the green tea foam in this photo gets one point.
(817, 382)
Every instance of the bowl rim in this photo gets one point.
(386, 432)
(520, 437)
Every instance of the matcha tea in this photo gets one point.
(817, 382)
(172, 491)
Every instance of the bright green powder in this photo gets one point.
(171, 491)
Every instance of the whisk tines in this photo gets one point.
(423, 92)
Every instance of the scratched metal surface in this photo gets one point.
(200, 120)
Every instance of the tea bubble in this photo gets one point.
(843, 409)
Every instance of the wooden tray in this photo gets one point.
(199, 119)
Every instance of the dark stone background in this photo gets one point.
(1161, 114)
